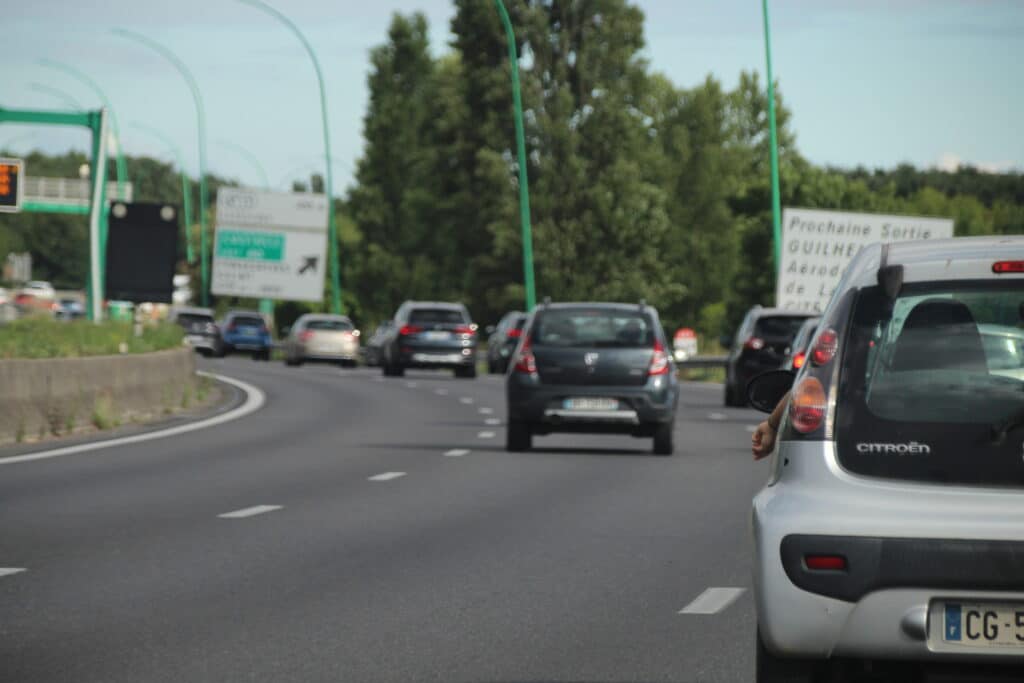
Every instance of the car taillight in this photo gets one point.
(659, 360)
(465, 329)
(799, 359)
(525, 360)
(514, 333)
(1000, 267)
(754, 344)
(809, 405)
(825, 563)
(406, 330)
(825, 346)
(305, 335)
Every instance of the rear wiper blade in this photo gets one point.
(1003, 427)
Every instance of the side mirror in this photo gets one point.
(726, 341)
(489, 330)
(766, 390)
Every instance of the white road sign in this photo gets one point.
(818, 245)
(270, 244)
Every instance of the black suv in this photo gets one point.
(428, 334)
(592, 367)
(761, 343)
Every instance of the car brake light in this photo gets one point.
(659, 360)
(825, 347)
(525, 360)
(1001, 267)
(305, 335)
(514, 333)
(406, 330)
(799, 359)
(754, 344)
(809, 405)
(465, 329)
(825, 563)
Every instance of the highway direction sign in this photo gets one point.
(270, 245)
(12, 187)
(818, 245)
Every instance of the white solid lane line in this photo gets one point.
(713, 601)
(254, 400)
(386, 476)
(485, 435)
(250, 512)
(466, 399)
(492, 421)
(486, 411)
(7, 571)
(456, 453)
(717, 416)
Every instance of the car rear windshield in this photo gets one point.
(247, 321)
(932, 385)
(593, 327)
(329, 325)
(437, 315)
(778, 326)
(190, 319)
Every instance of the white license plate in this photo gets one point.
(435, 358)
(984, 624)
(590, 404)
(437, 335)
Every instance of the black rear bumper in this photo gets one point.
(875, 563)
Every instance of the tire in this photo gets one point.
(492, 367)
(732, 397)
(466, 372)
(772, 669)
(663, 439)
(518, 437)
(291, 362)
(222, 351)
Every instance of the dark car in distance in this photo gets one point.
(592, 368)
(760, 344)
(201, 332)
(503, 339)
(430, 334)
(245, 331)
(796, 356)
(371, 349)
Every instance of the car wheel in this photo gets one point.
(492, 367)
(222, 351)
(465, 372)
(772, 669)
(732, 399)
(518, 437)
(663, 439)
(290, 362)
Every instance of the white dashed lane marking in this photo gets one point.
(492, 421)
(411, 385)
(250, 512)
(487, 411)
(441, 392)
(7, 571)
(386, 476)
(751, 428)
(713, 601)
(456, 453)
(717, 416)
(485, 435)
(466, 399)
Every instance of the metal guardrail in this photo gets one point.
(704, 362)
(67, 191)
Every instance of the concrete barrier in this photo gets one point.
(58, 396)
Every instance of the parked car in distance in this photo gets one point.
(887, 538)
(245, 331)
(201, 332)
(430, 334)
(594, 368)
(41, 289)
(69, 308)
(760, 344)
(796, 354)
(371, 348)
(322, 337)
(502, 341)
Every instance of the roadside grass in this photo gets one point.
(104, 416)
(44, 338)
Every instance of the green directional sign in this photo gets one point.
(250, 245)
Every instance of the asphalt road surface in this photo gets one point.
(380, 532)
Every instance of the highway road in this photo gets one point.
(363, 529)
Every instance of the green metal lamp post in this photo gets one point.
(773, 143)
(524, 188)
(186, 185)
(122, 166)
(204, 256)
(332, 228)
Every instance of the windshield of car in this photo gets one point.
(937, 371)
(437, 315)
(778, 326)
(329, 325)
(191, 319)
(583, 327)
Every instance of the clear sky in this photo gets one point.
(870, 82)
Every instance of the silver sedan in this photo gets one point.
(322, 337)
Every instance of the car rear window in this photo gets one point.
(247, 321)
(190, 319)
(519, 322)
(329, 325)
(778, 326)
(437, 315)
(593, 328)
(932, 384)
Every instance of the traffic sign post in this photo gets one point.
(12, 187)
(270, 245)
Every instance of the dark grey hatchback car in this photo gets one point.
(429, 334)
(593, 368)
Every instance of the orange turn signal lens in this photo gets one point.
(809, 405)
